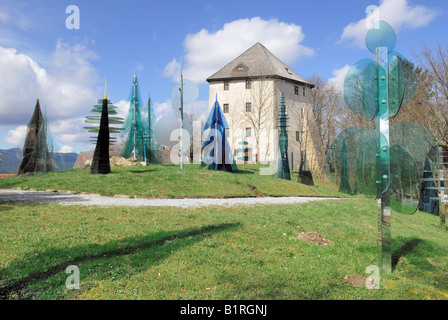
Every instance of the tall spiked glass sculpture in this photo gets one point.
(283, 163)
(386, 163)
(150, 115)
(38, 147)
(185, 93)
(136, 129)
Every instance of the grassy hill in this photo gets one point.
(168, 181)
(211, 253)
(217, 253)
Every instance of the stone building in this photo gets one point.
(249, 90)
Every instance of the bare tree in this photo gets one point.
(261, 115)
(299, 119)
(235, 122)
(194, 116)
(331, 113)
(430, 104)
(327, 106)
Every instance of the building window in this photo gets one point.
(304, 91)
(248, 132)
(248, 84)
(297, 135)
(296, 90)
(226, 85)
(248, 107)
(225, 108)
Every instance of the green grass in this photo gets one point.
(168, 181)
(216, 253)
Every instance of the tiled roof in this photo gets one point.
(257, 61)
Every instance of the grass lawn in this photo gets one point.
(168, 181)
(215, 253)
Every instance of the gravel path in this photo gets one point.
(93, 200)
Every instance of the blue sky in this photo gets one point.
(66, 69)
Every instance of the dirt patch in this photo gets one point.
(356, 281)
(206, 173)
(7, 175)
(314, 237)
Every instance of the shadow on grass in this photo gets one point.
(8, 196)
(127, 256)
(142, 171)
(405, 249)
(240, 171)
(420, 254)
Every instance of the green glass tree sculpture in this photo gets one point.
(136, 129)
(38, 148)
(345, 185)
(283, 163)
(150, 136)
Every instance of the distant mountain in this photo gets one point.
(11, 159)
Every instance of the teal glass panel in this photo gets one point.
(361, 88)
(191, 93)
(396, 85)
(410, 80)
(350, 161)
(404, 189)
(416, 139)
(381, 34)
(367, 174)
(383, 164)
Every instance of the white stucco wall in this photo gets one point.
(238, 95)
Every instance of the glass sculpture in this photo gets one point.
(104, 115)
(38, 147)
(138, 128)
(216, 148)
(283, 163)
(185, 93)
(387, 163)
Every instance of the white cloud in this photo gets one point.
(172, 70)
(339, 77)
(162, 109)
(207, 52)
(122, 108)
(400, 14)
(66, 149)
(67, 125)
(16, 137)
(64, 91)
(199, 108)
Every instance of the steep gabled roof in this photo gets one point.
(255, 62)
